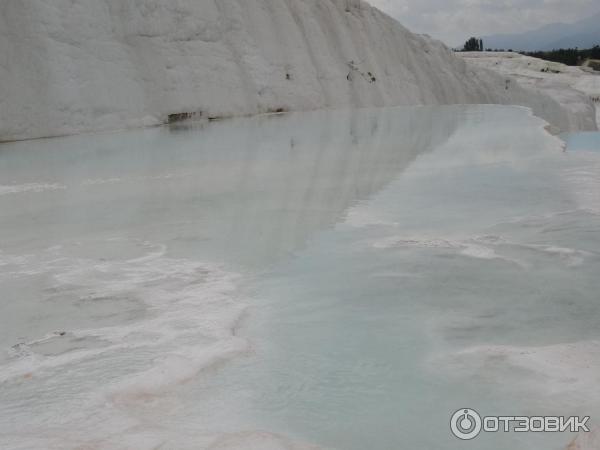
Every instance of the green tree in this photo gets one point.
(473, 45)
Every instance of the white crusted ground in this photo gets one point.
(586, 441)
(70, 66)
(573, 87)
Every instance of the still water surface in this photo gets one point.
(345, 279)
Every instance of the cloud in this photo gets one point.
(453, 21)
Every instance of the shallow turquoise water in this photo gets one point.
(422, 299)
(582, 141)
(347, 279)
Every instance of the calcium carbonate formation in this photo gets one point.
(71, 66)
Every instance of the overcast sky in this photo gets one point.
(453, 21)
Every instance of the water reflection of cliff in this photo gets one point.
(252, 189)
(303, 172)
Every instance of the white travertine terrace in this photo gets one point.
(72, 66)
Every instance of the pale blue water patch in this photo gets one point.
(422, 300)
(588, 141)
(123, 258)
(348, 279)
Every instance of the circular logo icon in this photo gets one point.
(466, 424)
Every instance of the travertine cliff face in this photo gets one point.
(70, 66)
(575, 88)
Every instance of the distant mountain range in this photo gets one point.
(583, 34)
